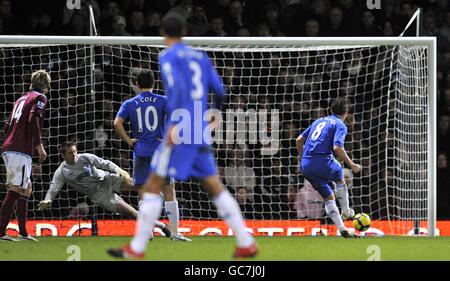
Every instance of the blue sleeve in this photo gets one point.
(215, 82)
(173, 84)
(305, 134)
(123, 111)
(339, 136)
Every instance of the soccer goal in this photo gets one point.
(277, 87)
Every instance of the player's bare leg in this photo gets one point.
(149, 212)
(173, 212)
(333, 212)
(342, 197)
(230, 212)
(19, 196)
(128, 185)
(22, 213)
(7, 209)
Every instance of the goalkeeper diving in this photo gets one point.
(317, 146)
(97, 178)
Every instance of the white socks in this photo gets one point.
(333, 211)
(342, 196)
(230, 212)
(149, 212)
(173, 214)
(159, 224)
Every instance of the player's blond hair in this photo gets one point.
(40, 79)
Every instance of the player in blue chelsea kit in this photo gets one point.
(319, 166)
(147, 113)
(188, 77)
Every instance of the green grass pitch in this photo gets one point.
(213, 248)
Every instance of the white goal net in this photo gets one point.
(275, 92)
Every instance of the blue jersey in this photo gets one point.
(146, 113)
(322, 135)
(188, 77)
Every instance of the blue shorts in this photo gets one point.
(182, 162)
(320, 171)
(141, 169)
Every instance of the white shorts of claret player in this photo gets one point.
(18, 168)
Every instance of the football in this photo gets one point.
(362, 222)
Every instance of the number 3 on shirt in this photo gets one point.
(315, 135)
(197, 92)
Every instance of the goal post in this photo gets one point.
(405, 76)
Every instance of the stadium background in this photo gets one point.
(68, 112)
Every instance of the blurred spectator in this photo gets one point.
(443, 132)
(152, 23)
(335, 27)
(273, 20)
(443, 189)
(107, 19)
(388, 29)
(430, 29)
(33, 25)
(445, 28)
(119, 27)
(129, 7)
(217, 27)
(136, 20)
(312, 28)
(348, 177)
(236, 19)
(445, 104)
(368, 26)
(351, 11)
(183, 9)
(245, 204)
(320, 10)
(9, 24)
(309, 204)
(237, 173)
(243, 32)
(78, 25)
(263, 30)
(80, 211)
(198, 24)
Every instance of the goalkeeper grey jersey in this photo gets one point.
(86, 176)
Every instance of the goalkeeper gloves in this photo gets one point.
(124, 174)
(44, 204)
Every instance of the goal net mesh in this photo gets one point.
(275, 92)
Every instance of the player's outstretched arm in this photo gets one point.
(107, 165)
(120, 130)
(340, 152)
(55, 186)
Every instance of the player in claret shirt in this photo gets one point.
(23, 131)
